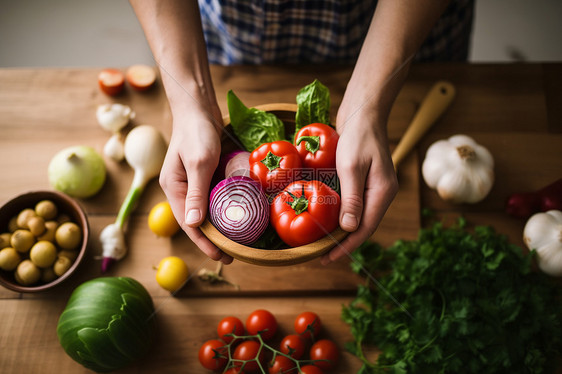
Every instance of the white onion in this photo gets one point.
(239, 209)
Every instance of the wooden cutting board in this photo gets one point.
(64, 103)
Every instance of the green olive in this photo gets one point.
(9, 259)
(22, 240)
(43, 254)
(27, 273)
(62, 265)
(71, 255)
(5, 240)
(36, 225)
(48, 275)
(24, 216)
(50, 230)
(68, 236)
(46, 209)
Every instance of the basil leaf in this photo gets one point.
(313, 105)
(252, 126)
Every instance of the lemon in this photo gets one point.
(161, 220)
(171, 273)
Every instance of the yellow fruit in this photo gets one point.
(161, 220)
(172, 273)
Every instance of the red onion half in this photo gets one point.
(239, 209)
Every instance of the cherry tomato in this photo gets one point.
(304, 212)
(141, 77)
(274, 165)
(282, 365)
(230, 325)
(161, 220)
(311, 369)
(292, 345)
(316, 144)
(233, 371)
(111, 81)
(248, 350)
(213, 355)
(326, 351)
(263, 322)
(308, 325)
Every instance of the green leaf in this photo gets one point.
(252, 126)
(313, 103)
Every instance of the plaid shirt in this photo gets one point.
(315, 31)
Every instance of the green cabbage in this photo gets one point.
(107, 323)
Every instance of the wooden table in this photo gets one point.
(513, 110)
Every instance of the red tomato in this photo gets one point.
(316, 144)
(233, 371)
(247, 351)
(274, 165)
(311, 369)
(229, 325)
(262, 322)
(213, 355)
(304, 212)
(292, 345)
(308, 325)
(111, 81)
(326, 351)
(282, 365)
(141, 77)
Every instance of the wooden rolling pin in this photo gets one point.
(432, 107)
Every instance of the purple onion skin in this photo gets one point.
(253, 200)
(221, 167)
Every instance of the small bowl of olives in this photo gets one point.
(43, 239)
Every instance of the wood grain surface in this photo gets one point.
(514, 110)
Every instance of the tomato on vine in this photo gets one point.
(326, 352)
(311, 369)
(292, 345)
(308, 325)
(229, 325)
(261, 322)
(251, 352)
(282, 365)
(213, 355)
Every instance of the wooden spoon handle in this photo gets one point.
(432, 107)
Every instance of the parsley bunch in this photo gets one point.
(453, 301)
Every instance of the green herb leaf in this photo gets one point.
(313, 103)
(474, 305)
(252, 126)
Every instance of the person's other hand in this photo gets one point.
(191, 160)
(367, 179)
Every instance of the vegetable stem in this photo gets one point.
(129, 203)
(312, 143)
(272, 161)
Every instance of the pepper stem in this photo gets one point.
(299, 204)
(312, 143)
(271, 161)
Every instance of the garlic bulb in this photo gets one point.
(543, 233)
(113, 117)
(461, 170)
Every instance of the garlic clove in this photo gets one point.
(114, 148)
(113, 117)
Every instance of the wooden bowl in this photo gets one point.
(270, 257)
(65, 205)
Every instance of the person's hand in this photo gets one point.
(367, 179)
(192, 157)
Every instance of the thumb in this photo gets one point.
(352, 191)
(196, 201)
